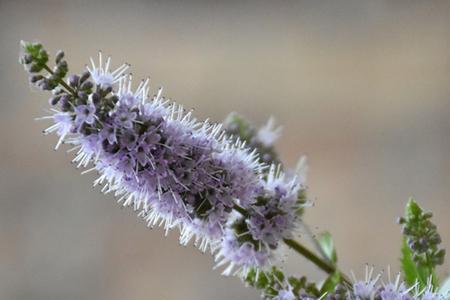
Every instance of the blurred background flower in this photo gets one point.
(361, 87)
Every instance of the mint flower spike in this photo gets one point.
(152, 154)
(177, 172)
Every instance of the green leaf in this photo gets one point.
(327, 246)
(412, 209)
(330, 283)
(409, 268)
(414, 273)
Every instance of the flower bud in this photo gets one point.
(82, 95)
(44, 85)
(59, 56)
(87, 85)
(73, 80)
(26, 59)
(34, 68)
(84, 76)
(107, 90)
(61, 69)
(95, 98)
(65, 103)
(54, 100)
(43, 56)
(114, 99)
(35, 78)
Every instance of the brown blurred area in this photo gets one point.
(361, 87)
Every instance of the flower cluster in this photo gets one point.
(273, 217)
(180, 173)
(372, 287)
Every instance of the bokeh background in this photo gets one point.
(361, 87)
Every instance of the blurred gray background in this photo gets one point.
(361, 87)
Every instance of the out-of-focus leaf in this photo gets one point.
(330, 283)
(327, 246)
(413, 273)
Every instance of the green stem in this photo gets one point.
(319, 262)
(60, 81)
(323, 264)
(299, 248)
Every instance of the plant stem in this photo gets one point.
(323, 264)
(68, 88)
(319, 262)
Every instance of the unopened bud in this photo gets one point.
(26, 59)
(59, 56)
(65, 102)
(82, 95)
(44, 85)
(35, 78)
(87, 85)
(114, 99)
(95, 98)
(54, 100)
(34, 68)
(84, 76)
(107, 90)
(43, 56)
(74, 80)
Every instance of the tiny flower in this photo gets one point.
(240, 255)
(128, 139)
(394, 290)
(63, 126)
(85, 114)
(285, 294)
(365, 289)
(108, 132)
(131, 98)
(268, 134)
(123, 117)
(101, 73)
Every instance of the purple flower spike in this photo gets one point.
(179, 172)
